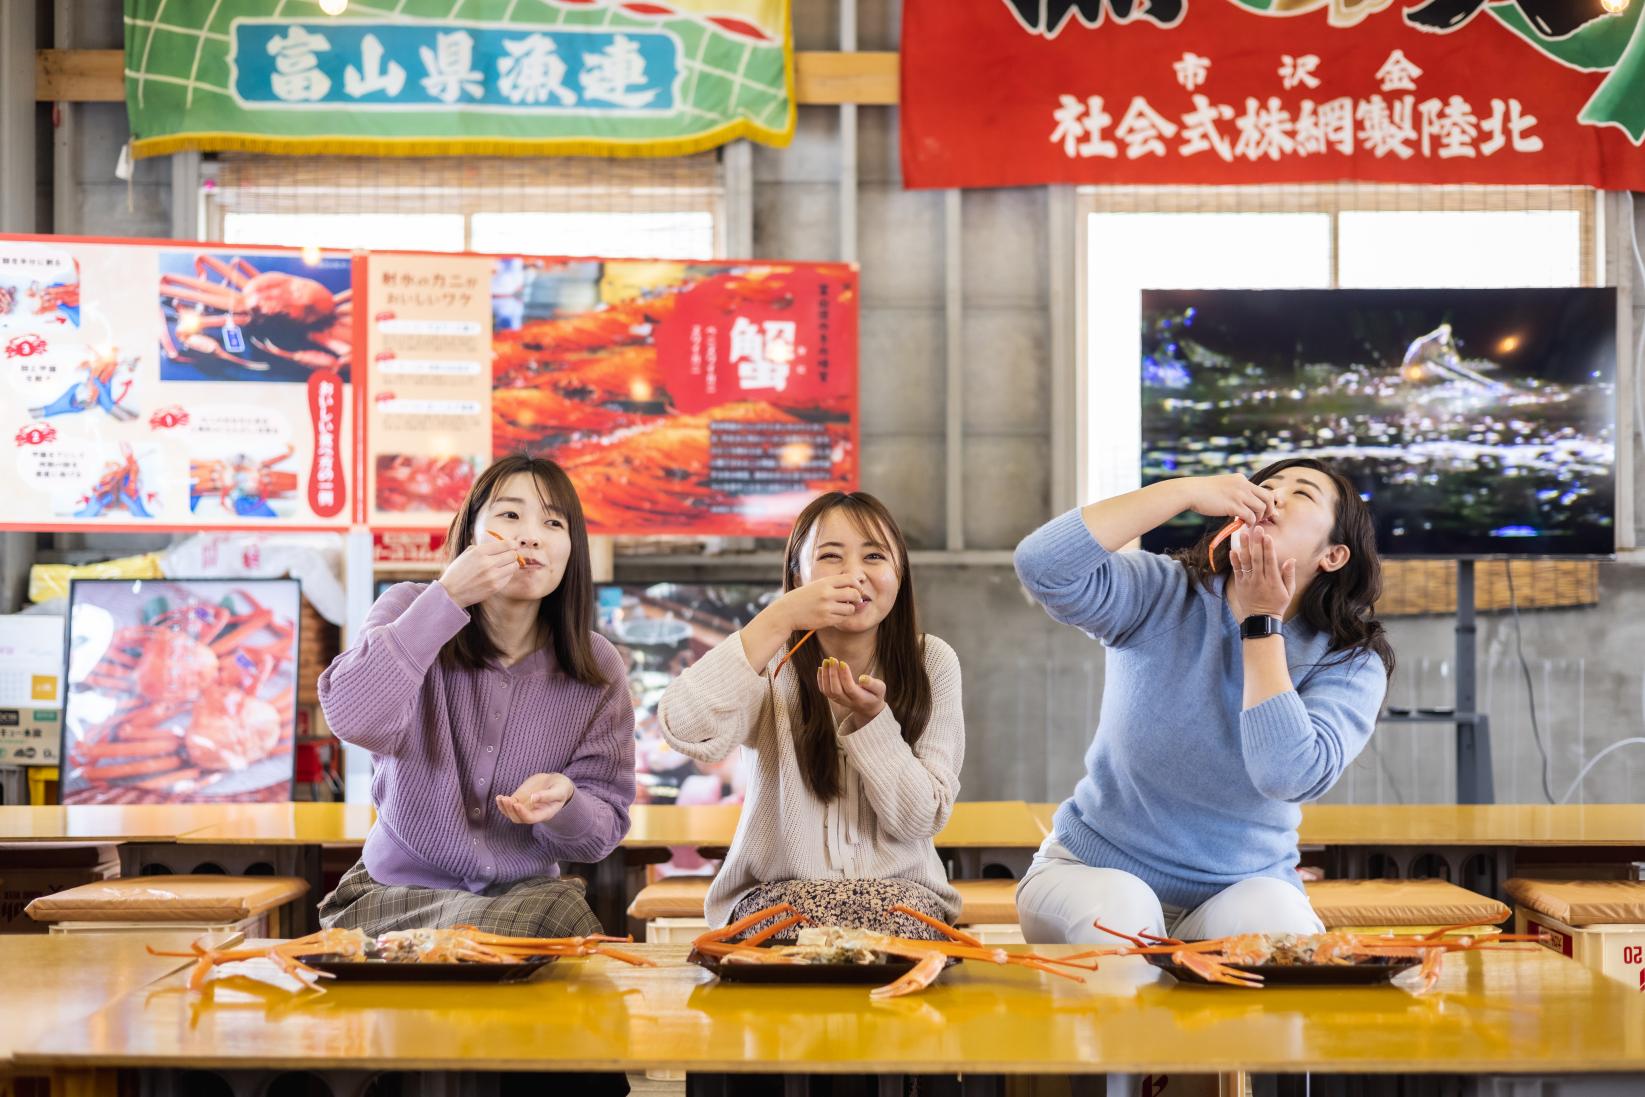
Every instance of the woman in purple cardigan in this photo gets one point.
(499, 724)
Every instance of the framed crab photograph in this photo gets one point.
(260, 317)
(180, 691)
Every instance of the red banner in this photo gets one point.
(1028, 92)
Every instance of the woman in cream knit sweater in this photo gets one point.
(855, 738)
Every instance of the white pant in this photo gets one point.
(1060, 897)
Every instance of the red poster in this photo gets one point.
(168, 385)
(1027, 92)
(692, 398)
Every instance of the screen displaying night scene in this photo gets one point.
(1476, 422)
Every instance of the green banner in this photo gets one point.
(451, 77)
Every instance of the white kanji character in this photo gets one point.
(1076, 119)
(450, 67)
(1298, 70)
(1517, 124)
(1097, 120)
(615, 73)
(1143, 129)
(1398, 73)
(297, 77)
(756, 368)
(372, 75)
(1453, 122)
(1199, 129)
(533, 71)
(1336, 123)
(1264, 130)
(1191, 70)
(1385, 127)
(1070, 125)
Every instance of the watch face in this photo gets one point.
(1256, 627)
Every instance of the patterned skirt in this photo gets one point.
(859, 904)
(543, 906)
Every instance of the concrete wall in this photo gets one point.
(1033, 687)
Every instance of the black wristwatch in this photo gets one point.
(1259, 625)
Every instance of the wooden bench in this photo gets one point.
(1600, 923)
(672, 909)
(252, 905)
(1401, 906)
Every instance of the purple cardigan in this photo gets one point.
(444, 740)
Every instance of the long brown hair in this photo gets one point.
(566, 617)
(1341, 603)
(899, 646)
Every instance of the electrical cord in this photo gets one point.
(1530, 687)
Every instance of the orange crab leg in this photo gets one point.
(772, 930)
(940, 926)
(724, 933)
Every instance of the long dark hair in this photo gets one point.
(1341, 603)
(899, 646)
(566, 617)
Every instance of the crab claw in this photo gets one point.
(1213, 970)
(916, 978)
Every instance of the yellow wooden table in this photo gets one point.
(1518, 1011)
(1513, 825)
(297, 824)
(54, 982)
(996, 824)
(1500, 825)
(109, 822)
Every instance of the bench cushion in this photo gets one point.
(214, 900)
(1341, 903)
(671, 897)
(986, 902)
(1583, 902)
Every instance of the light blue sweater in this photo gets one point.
(1182, 788)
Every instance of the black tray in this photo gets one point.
(1368, 973)
(812, 974)
(348, 970)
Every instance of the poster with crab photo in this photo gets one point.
(180, 691)
(695, 398)
(219, 400)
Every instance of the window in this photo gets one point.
(665, 209)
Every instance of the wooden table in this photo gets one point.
(55, 981)
(305, 824)
(1516, 825)
(108, 822)
(1519, 1011)
(991, 824)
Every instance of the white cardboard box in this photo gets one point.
(1614, 950)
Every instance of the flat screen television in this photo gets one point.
(1475, 422)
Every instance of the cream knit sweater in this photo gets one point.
(895, 799)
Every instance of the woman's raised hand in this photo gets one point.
(820, 603)
(1230, 495)
(479, 571)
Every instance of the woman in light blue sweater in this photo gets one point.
(1241, 680)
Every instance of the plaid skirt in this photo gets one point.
(542, 906)
(858, 904)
